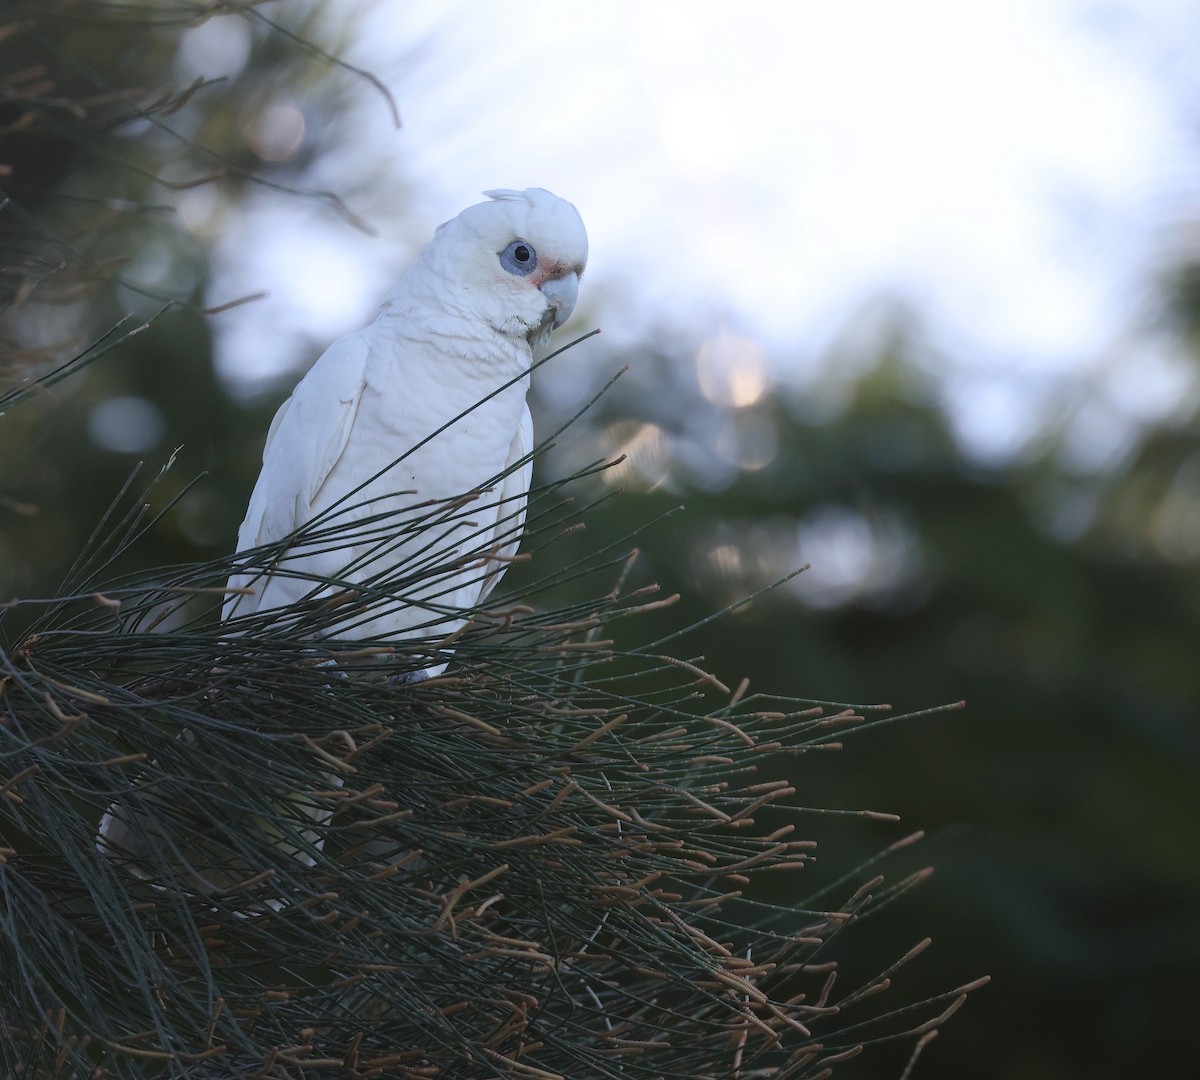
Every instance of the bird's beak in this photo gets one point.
(561, 292)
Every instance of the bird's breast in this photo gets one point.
(446, 415)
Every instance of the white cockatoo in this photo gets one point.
(460, 325)
(409, 441)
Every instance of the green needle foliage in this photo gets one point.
(542, 863)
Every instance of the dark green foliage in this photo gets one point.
(540, 864)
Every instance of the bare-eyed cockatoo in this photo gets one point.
(459, 326)
(418, 420)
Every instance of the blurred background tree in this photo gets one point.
(1057, 591)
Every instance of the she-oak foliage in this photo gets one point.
(537, 864)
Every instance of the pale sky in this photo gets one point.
(1015, 171)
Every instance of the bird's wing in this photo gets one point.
(512, 501)
(307, 438)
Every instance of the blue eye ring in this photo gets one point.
(519, 258)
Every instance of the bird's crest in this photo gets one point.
(513, 195)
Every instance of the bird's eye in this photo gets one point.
(519, 258)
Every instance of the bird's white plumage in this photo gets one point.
(419, 421)
(460, 327)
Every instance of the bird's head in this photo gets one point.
(514, 261)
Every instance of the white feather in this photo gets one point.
(454, 338)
